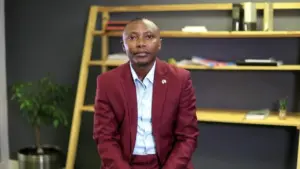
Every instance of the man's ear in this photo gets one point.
(160, 42)
(123, 47)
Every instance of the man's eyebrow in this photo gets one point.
(149, 32)
(134, 32)
(127, 34)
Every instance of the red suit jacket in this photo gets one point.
(174, 118)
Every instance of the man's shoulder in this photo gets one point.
(111, 75)
(176, 71)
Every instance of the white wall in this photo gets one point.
(4, 147)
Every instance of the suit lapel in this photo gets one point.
(159, 94)
(131, 102)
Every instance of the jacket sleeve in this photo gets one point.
(186, 128)
(105, 132)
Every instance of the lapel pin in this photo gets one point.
(163, 81)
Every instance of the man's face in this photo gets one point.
(141, 42)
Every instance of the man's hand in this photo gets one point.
(186, 128)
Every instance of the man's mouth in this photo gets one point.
(141, 54)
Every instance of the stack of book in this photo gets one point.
(116, 25)
(259, 62)
(257, 114)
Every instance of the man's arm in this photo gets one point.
(186, 129)
(105, 130)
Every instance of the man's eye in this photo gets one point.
(150, 36)
(131, 37)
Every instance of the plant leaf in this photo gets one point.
(43, 102)
(55, 123)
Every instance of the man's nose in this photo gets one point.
(141, 43)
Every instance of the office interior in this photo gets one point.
(43, 37)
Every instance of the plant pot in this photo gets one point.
(282, 113)
(52, 158)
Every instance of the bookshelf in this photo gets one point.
(114, 63)
(193, 7)
(235, 117)
(216, 34)
(204, 115)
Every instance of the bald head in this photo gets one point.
(137, 23)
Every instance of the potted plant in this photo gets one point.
(42, 103)
(282, 108)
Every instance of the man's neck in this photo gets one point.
(142, 71)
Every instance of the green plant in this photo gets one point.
(283, 104)
(43, 103)
(172, 61)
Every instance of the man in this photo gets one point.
(145, 110)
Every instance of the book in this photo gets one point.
(257, 114)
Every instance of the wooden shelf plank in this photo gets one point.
(197, 67)
(222, 34)
(98, 32)
(106, 63)
(261, 68)
(281, 5)
(172, 7)
(194, 7)
(236, 117)
(88, 108)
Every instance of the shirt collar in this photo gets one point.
(149, 76)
